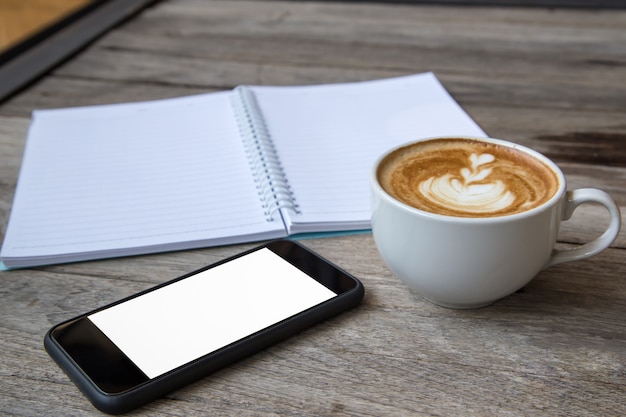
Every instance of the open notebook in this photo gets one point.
(254, 163)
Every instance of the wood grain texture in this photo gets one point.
(551, 79)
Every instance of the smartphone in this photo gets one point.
(133, 351)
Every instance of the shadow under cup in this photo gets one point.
(472, 261)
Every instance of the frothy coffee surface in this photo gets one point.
(467, 178)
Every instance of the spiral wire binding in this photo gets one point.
(271, 183)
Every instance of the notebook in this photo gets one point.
(249, 164)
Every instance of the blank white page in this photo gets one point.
(328, 137)
(134, 178)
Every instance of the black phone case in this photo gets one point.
(205, 365)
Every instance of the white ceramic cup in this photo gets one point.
(462, 262)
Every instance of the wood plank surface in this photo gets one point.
(552, 79)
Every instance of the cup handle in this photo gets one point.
(572, 200)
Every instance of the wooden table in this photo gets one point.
(552, 79)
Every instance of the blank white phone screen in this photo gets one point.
(166, 328)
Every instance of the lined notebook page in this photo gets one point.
(134, 178)
(328, 137)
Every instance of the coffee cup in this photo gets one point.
(465, 221)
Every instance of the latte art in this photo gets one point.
(462, 177)
(472, 192)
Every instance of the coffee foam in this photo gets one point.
(467, 178)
